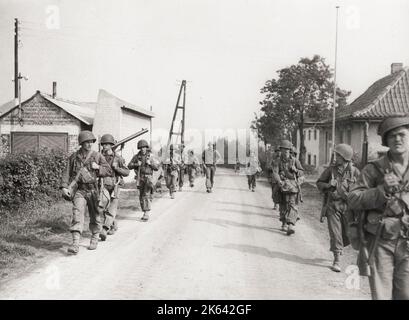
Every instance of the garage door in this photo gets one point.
(34, 141)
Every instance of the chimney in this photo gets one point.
(54, 89)
(396, 67)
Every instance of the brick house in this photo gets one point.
(384, 97)
(47, 121)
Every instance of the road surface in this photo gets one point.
(224, 245)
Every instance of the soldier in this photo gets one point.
(275, 188)
(171, 168)
(335, 182)
(112, 184)
(144, 165)
(381, 192)
(80, 184)
(210, 158)
(192, 165)
(288, 174)
(252, 168)
(182, 167)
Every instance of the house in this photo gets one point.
(385, 97)
(311, 143)
(48, 121)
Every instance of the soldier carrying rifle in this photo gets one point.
(382, 195)
(171, 167)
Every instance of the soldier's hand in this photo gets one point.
(333, 182)
(139, 163)
(94, 166)
(148, 161)
(391, 182)
(66, 192)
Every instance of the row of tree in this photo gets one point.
(303, 91)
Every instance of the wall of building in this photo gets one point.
(39, 115)
(312, 144)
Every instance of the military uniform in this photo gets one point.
(171, 167)
(181, 171)
(384, 215)
(252, 169)
(144, 175)
(87, 192)
(112, 183)
(335, 204)
(288, 174)
(192, 167)
(275, 187)
(210, 158)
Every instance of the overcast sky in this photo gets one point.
(225, 49)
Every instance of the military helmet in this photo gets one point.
(345, 151)
(86, 135)
(107, 138)
(391, 123)
(143, 144)
(277, 149)
(285, 144)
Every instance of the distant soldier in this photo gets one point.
(269, 160)
(335, 182)
(210, 158)
(252, 170)
(381, 192)
(182, 167)
(171, 170)
(275, 187)
(288, 174)
(144, 164)
(237, 165)
(80, 184)
(192, 165)
(112, 184)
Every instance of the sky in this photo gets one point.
(225, 49)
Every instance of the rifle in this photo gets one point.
(326, 198)
(127, 139)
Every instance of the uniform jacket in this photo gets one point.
(144, 168)
(287, 173)
(192, 160)
(172, 162)
(120, 171)
(211, 157)
(252, 165)
(369, 195)
(88, 175)
(346, 178)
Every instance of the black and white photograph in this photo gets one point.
(219, 151)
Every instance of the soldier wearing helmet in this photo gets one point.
(288, 175)
(252, 170)
(143, 163)
(111, 184)
(381, 194)
(182, 167)
(275, 188)
(80, 185)
(210, 158)
(335, 183)
(192, 166)
(171, 162)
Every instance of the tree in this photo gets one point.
(302, 91)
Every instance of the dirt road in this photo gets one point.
(224, 245)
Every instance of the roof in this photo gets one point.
(385, 97)
(83, 111)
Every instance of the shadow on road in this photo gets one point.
(227, 223)
(243, 204)
(233, 189)
(317, 262)
(271, 216)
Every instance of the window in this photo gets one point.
(34, 141)
(349, 136)
(309, 159)
(309, 135)
(315, 160)
(315, 134)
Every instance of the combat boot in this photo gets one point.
(94, 241)
(103, 234)
(75, 246)
(284, 227)
(335, 265)
(172, 195)
(290, 230)
(145, 216)
(276, 207)
(192, 185)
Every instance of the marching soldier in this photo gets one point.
(275, 188)
(80, 185)
(252, 168)
(192, 165)
(182, 167)
(288, 174)
(112, 184)
(171, 168)
(210, 158)
(335, 182)
(144, 165)
(381, 192)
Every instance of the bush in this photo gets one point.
(27, 176)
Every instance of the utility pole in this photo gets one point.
(16, 58)
(182, 122)
(335, 83)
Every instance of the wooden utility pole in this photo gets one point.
(16, 91)
(178, 106)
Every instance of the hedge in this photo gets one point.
(28, 176)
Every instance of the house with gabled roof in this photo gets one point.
(48, 121)
(384, 97)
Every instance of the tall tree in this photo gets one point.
(301, 91)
